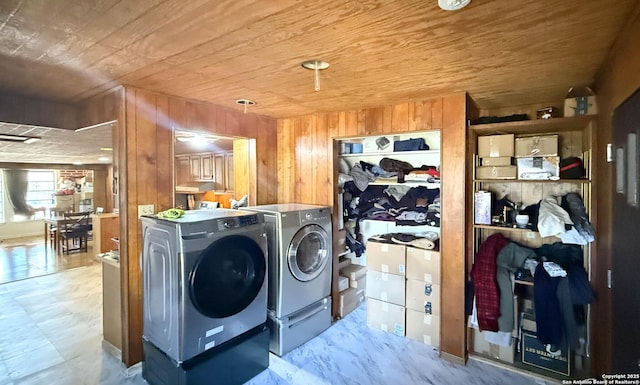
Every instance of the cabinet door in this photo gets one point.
(195, 167)
(183, 169)
(206, 170)
(218, 165)
(228, 174)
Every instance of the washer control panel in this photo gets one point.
(236, 222)
(317, 216)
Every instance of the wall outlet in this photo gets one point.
(146, 210)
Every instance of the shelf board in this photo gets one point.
(524, 282)
(504, 228)
(538, 126)
(388, 153)
(408, 183)
(531, 181)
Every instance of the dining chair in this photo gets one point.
(74, 232)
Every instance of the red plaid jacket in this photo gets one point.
(485, 285)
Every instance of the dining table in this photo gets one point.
(57, 222)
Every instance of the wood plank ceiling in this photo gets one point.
(503, 52)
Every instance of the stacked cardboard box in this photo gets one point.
(403, 291)
(351, 285)
(423, 296)
(386, 287)
(537, 157)
(496, 157)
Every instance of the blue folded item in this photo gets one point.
(410, 145)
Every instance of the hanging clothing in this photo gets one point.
(483, 274)
(509, 259)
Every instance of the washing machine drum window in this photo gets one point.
(227, 276)
(308, 252)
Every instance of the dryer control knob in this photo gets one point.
(309, 216)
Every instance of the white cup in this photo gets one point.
(522, 220)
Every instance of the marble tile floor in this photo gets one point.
(51, 333)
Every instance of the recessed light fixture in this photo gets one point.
(19, 138)
(453, 5)
(78, 163)
(104, 159)
(316, 66)
(245, 103)
(106, 149)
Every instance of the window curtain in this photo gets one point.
(16, 183)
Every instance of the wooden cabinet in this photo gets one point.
(183, 169)
(206, 167)
(575, 139)
(195, 167)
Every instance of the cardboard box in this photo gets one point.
(386, 257)
(545, 145)
(539, 168)
(385, 316)
(496, 172)
(497, 161)
(423, 327)
(386, 287)
(350, 299)
(535, 354)
(343, 262)
(581, 105)
(343, 283)
(360, 283)
(482, 207)
(423, 265)
(502, 353)
(492, 146)
(353, 271)
(423, 297)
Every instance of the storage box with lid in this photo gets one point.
(492, 146)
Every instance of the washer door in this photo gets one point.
(308, 252)
(227, 276)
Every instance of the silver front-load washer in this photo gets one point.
(204, 279)
(300, 266)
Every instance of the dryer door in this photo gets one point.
(308, 252)
(227, 276)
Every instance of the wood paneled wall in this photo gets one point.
(37, 112)
(617, 80)
(306, 174)
(101, 108)
(145, 176)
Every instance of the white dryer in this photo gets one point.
(300, 265)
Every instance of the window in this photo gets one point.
(40, 190)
